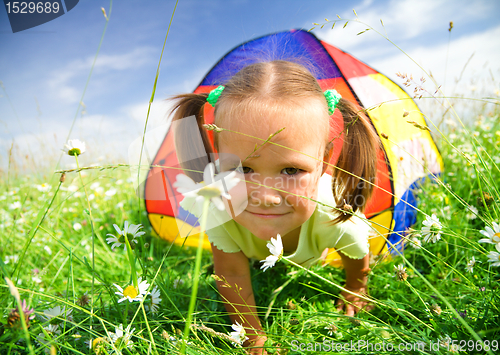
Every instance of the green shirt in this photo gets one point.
(316, 234)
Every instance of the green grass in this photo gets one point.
(56, 269)
(49, 259)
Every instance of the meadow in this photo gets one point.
(73, 285)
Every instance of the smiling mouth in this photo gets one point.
(267, 215)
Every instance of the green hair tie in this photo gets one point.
(214, 95)
(332, 99)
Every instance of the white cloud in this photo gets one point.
(157, 114)
(433, 60)
(420, 29)
(471, 62)
(61, 80)
(402, 19)
(138, 57)
(105, 136)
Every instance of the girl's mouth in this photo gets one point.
(267, 215)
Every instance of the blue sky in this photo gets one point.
(44, 69)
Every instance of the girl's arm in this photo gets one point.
(239, 299)
(356, 279)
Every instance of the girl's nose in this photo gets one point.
(271, 198)
(265, 196)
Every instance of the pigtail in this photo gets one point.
(357, 161)
(186, 147)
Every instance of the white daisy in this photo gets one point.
(400, 271)
(177, 283)
(36, 279)
(470, 265)
(74, 146)
(47, 336)
(494, 257)
(492, 235)
(131, 293)
(331, 328)
(111, 192)
(275, 247)
(14, 206)
(77, 226)
(43, 187)
(9, 258)
(415, 241)
(56, 314)
(155, 300)
(400, 268)
(239, 334)
(96, 344)
(52, 329)
(432, 229)
(99, 190)
(213, 187)
(131, 231)
(121, 337)
(446, 211)
(472, 212)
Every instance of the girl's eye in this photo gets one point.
(291, 171)
(242, 170)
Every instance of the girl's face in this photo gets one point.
(276, 177)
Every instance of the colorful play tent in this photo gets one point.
(408, 155)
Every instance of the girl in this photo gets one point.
(284, 176)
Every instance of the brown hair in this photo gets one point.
(262, 86)
(187, 105)
(357, 164)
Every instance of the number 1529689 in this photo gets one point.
(32, 7)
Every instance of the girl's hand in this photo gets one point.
(352, 304)
(256, 347)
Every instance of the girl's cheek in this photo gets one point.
(239, 198)
(300, 203)
(305, 186)
(300, 190)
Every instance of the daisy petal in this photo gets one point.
(118, 230)
(218, 203)
(208, 174)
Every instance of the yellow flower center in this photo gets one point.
(496, 237)
(97, 342)
(209, 192)
(121, 342)
(130, 291)
(434, 229)
(130, 237)
(74, 151)
(281, 255)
